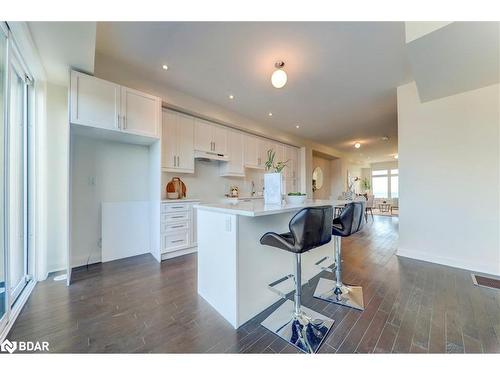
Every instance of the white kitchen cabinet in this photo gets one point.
(97, 103)
(178, 228)
(177, 142)
(209, 137)
(94, 102)
(291, 154)
(251, 151)
(235, 151)
(264, 146)
(140, 113)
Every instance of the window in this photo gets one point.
(380, 187)
(385, 183)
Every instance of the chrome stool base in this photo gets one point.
(305, 331)
(351, 296)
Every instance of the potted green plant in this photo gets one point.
(366, 184)
(273, 181)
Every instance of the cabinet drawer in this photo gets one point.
(174, 217)
(175, 226)
(177, 207)
(175, 241)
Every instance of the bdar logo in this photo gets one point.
(8, 346)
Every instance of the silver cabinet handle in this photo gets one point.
(178, 160)
(176, 241)
(175, 161)
(177, 217)
(124, 122)
(177, 226)
(179, 207)
(214, 147)
(118, 120)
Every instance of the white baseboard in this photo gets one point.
(178, 253)
(451, 262)
(16, 309)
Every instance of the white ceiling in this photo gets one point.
(64, 45)
(342, 76)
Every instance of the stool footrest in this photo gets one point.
(273, 286)
(330, 269)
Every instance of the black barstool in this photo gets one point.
(349, 222)
(302, 327)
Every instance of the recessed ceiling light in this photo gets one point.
(385, 138)
(165, 67)
(297, 126)
(270, 114)
(357, 145)
(396, 156)
(231, 96)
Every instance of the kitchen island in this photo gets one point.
(234, 269)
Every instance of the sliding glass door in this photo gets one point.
(3, 242)
(17, 172)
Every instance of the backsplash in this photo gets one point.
(207, 184)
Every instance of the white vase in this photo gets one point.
(273, 188)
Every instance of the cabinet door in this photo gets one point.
(168, 140)
(264, 146)
(203, 132)
(234, 167)
(291, 154)
(185, 143)
(219, 137)
(251, 151)
(279, 149)
(94, 102)
(140, 112)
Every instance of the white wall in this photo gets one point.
(57, 176)
(384, 165)
(449, 178)
(326, 190)
(104, 171)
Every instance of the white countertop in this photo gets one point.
(257, 207)
(180, 200)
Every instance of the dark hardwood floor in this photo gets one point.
(137, 305)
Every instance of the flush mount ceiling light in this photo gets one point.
(231, 96)
(278, 79)
(270, 114)
(297, 126)
(357, 145)
(165, 67)
(396, 156)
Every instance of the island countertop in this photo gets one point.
(257, 207)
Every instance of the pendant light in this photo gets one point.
(278, 79)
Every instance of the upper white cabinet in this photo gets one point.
(177, 142)
(210, 137)
(235, 151)
(106, 105)
(251, 151)
(291, 154)
(94, 102)
(140, 112)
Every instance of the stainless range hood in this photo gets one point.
(208, 155)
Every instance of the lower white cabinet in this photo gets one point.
(178, 228)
